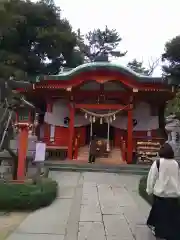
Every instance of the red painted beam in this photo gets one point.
(106, 93)
(51, 85)
(101, 106)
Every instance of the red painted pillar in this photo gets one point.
(71, 131)
(49, 106)
(22, 151)
(130, 137)
(123, 149)
(76, 145)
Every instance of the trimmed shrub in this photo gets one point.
(27, 196)
(142, 190)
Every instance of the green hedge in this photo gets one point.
(142, 190)
(27, 196)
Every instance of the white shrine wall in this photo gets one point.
(141, 112)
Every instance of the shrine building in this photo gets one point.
(123, 109)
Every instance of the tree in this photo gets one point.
(99, 45)
(171, 70)
(139, 68)
(173, 106)
(34, 39)
(171, 58)
(10, 102)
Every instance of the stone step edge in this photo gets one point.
(97, 168)
(73, 169)
(109, 166)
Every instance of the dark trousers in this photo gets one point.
(165, 218)
(92, 158)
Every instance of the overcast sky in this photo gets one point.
(144, 25)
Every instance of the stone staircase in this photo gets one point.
(115, 156)
(83, 154)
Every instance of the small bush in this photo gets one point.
(142, 190)
(27, 196)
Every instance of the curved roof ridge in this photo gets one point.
(99, 64)
(92, 66)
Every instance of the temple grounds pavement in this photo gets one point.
(102, 206)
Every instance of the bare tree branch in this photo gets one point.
(152, 65)
(139, 66)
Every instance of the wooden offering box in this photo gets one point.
(147, 150)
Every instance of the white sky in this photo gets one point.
(144, 25)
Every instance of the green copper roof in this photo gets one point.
(88, 67)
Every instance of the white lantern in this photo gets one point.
(114, 117)
(94, 119)
(101, 121)
(86, 115)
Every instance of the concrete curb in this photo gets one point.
(107, 170)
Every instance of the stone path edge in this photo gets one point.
(73, 221)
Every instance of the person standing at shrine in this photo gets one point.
(93, 150)
(163, 184)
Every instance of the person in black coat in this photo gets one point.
(93, 150)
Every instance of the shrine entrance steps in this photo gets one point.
(115, 156)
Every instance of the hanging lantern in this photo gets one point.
(114, 117)
(111, 119)
(101, 120)
(86, 115)
(90, 118)
(94, 119)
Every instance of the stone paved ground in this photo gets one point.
(9, 222)
(102, 206)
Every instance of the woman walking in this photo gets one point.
(164, 184)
